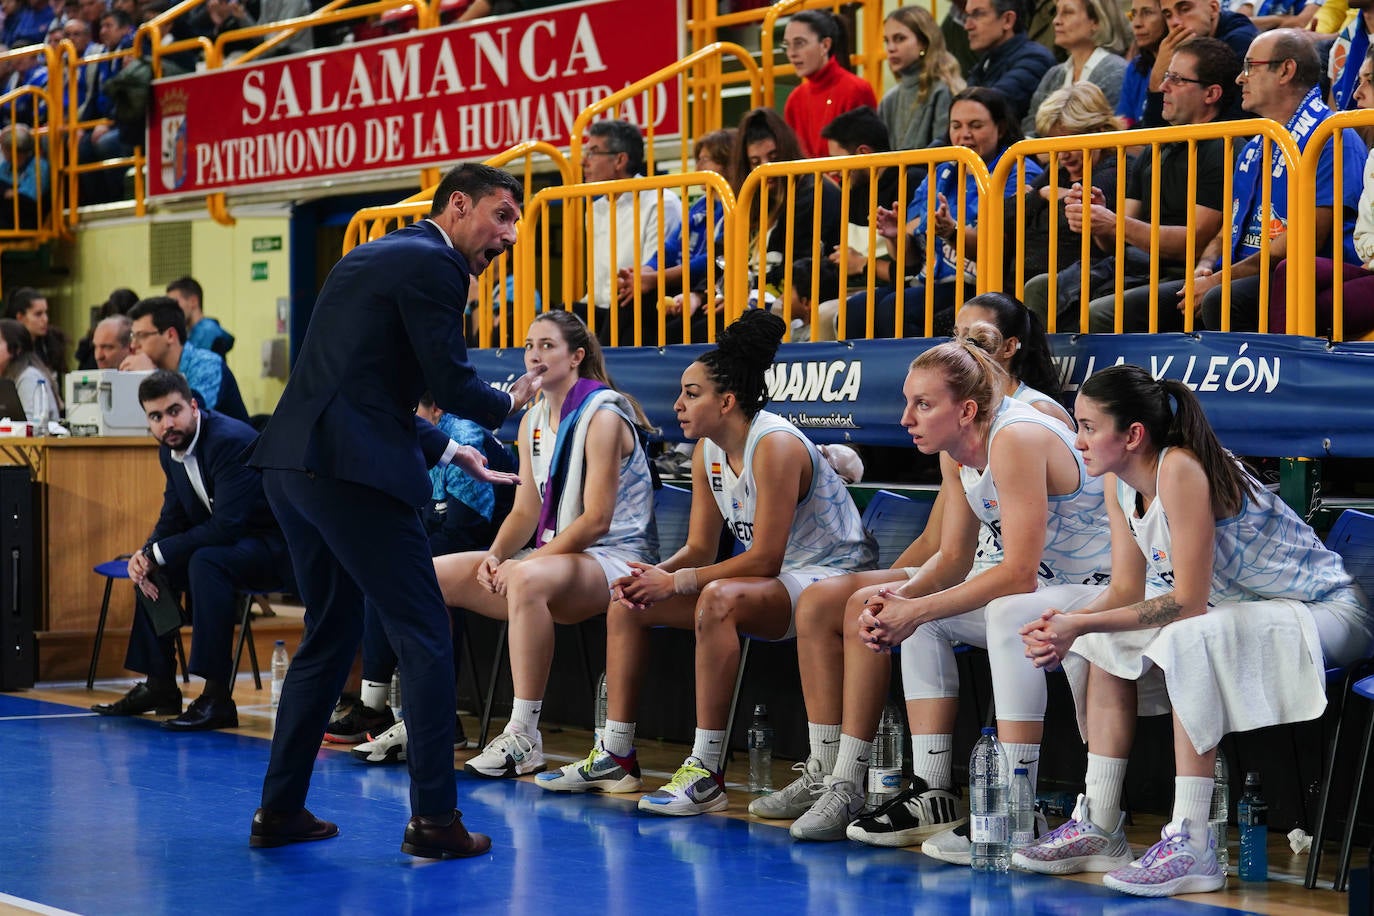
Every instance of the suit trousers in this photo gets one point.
(352, 544)
(213, 578)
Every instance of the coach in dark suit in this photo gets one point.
(345, 473)
(215, 536)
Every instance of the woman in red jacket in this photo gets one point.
(816, 47)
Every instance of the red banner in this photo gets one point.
(421, 99)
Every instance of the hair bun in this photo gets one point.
(753, 338)
(985, 336)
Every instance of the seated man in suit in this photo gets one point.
(216, 536)
(159, 341)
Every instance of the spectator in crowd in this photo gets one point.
(1206, 19)
(30, 377)
(479, 9)
(1280, 81)
(119, 303)
(276, 11)
(111, 340)
(615, 150)
(28, 23)
(1008, 60)
(159, 342)
(30, 308)
(1348, 55)
(24, 177)
(1199, 81)
(201, 331)
(215, 535)
(916, 110)
(1076, 110)
(1279, 14)
(1083, 29)
(712, 153)
(107, 141)
(819, 50)
(216, 17)
(954, 28)
(1147, 25)
(982, 120)
(90, 11)
(78, 32)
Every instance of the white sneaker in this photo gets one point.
(955, 847)
(1172, 866)
(1077, 845)
(692, 790)
(796, 798)
(826, 820)
(388, 747)
(511, 753)
(599, 772)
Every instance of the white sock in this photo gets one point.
(1028, 756)
(1106, 776)
(524, 715)
(851, 763)
(932, 759)
(709, 748)
(375, 694)
(825, 744)
(1193, 800)
(618, 738)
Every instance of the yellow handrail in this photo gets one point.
(1306, 215)
(428, 16)
(711, 54)
(868, 53)
(1228, 132)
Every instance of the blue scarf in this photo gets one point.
(1247, 223)
(1344, 89)
(568, 419)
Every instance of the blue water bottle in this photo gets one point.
(1253, 814)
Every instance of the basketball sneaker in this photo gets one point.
(388, 747)
(794, 799)
(511, 753)
(353, 723)
(912, 817)
(825, 821)
(955, 847)
(692, 790)
(1077, 845)
(1171, 866)
(601, 771)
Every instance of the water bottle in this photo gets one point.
(1252, 814)
(761, 752)
(989, 814)
(41, 410)
(599, 716)
(1221, 804)
(393, 694)
(885, 765)
(280, 662)
(1022, 807)
(1056, 804)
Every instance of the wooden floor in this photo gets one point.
(1283, 894)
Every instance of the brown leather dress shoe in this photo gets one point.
(273, 829)
(205, 714)
(141, 699)
(429, 840)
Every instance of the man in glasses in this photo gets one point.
(158, 341)
(1008, 60)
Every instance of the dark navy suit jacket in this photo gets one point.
(387, 326)
(235, 491)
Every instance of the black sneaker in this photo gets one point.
(912, 817)
(357, 722)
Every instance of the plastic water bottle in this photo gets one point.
(42, 408)
(393, 694)
(1022, 807)
(1221, 805)
(280, 662)
(599, 716)
(761, 752)
(885, 766)
(989, 811)
(1252, 814)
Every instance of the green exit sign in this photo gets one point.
(266, 243)
(259, 270)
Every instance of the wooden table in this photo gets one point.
(97, 497)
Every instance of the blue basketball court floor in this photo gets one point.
(115, 816)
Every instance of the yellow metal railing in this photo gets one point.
(41, 111)
(427, 17)
(1305, 214)
(1116, 143)
(73, 168)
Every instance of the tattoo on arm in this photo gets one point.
(1156, 612)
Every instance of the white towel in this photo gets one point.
(570, 504)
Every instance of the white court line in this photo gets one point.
(55, 715)
(33, 906)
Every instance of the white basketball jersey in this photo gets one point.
(827, 530)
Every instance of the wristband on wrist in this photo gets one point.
(685, 581)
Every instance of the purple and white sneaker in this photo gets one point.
(1077, 845)
(1171, 866)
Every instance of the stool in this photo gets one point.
(246, 636)
(118, 568)
(1363, 688)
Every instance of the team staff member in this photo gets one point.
(344, 471)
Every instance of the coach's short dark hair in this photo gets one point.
(476, 181)
(162, 383)
(165, 312)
